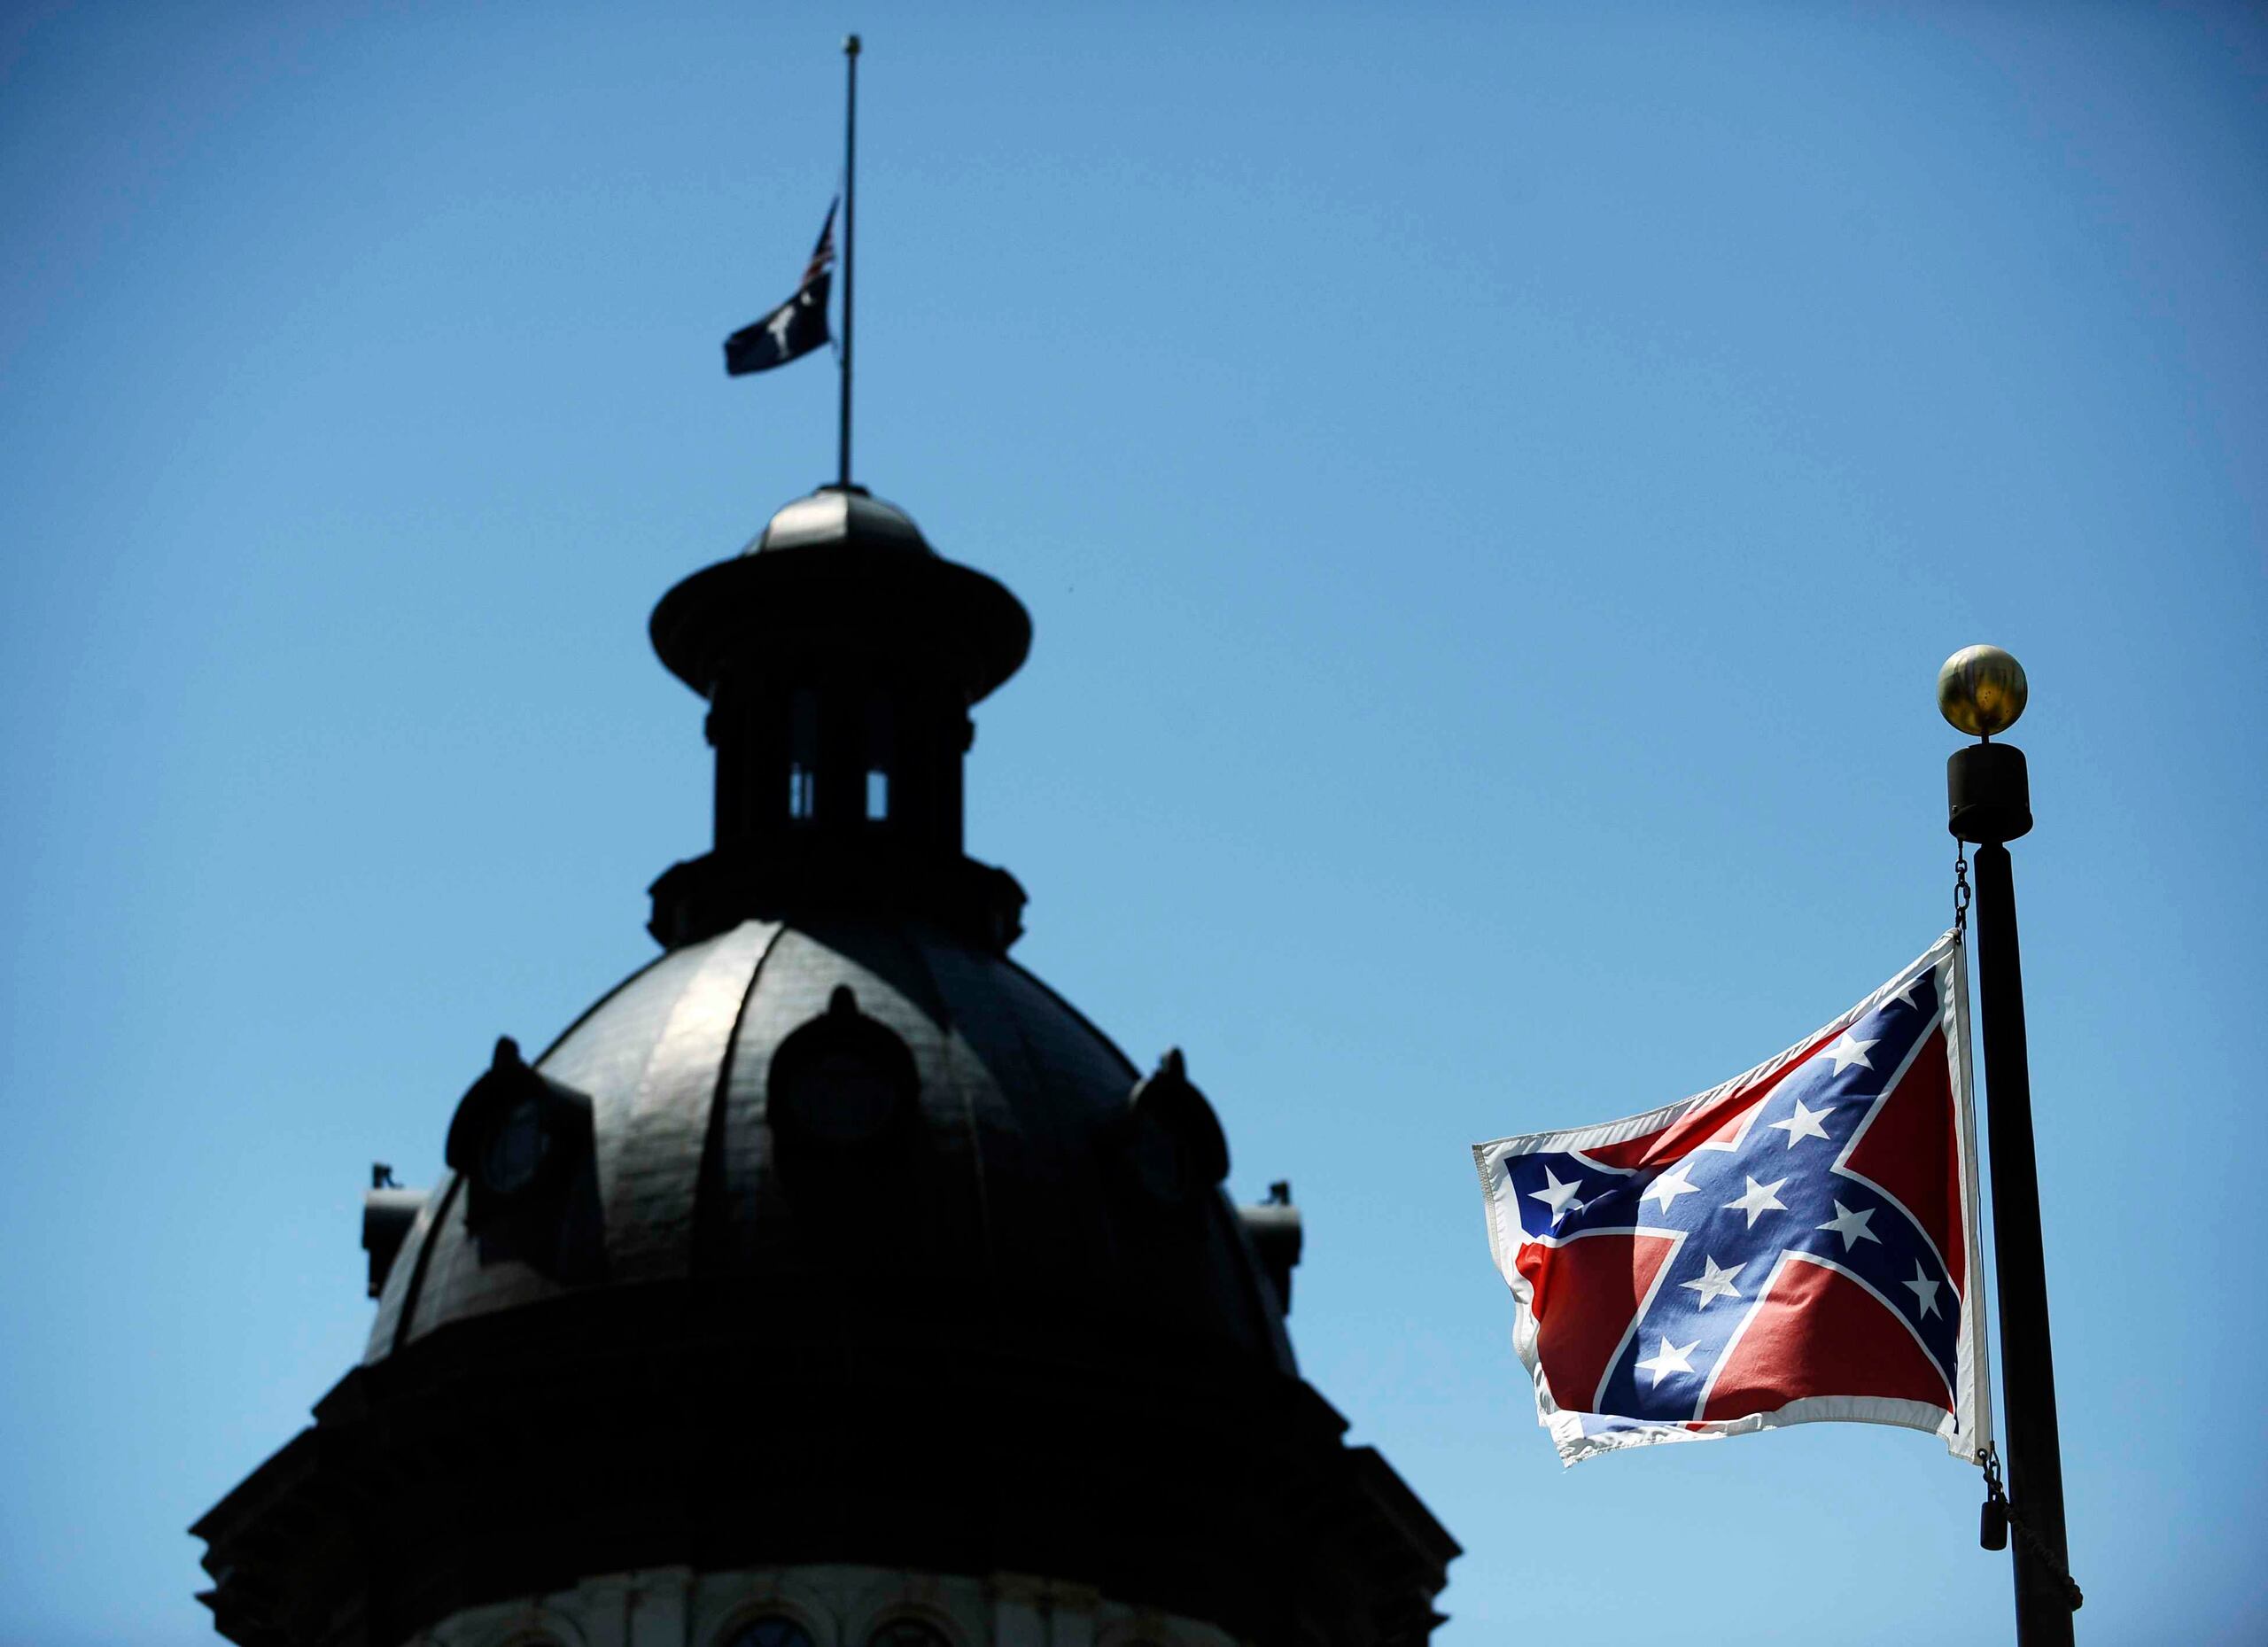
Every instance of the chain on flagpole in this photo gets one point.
(1999, 1516)
(1961, 891)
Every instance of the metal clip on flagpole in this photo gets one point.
(1981, 690)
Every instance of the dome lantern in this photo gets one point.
(839, 656)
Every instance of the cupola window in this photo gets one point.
(878, 757)
(802, 754)
(771, 1630)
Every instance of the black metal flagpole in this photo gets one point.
(850, 231)
(1982, 690)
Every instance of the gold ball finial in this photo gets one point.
(1981, 690)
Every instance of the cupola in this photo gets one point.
(839, 656)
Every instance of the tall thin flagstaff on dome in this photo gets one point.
(850, 219)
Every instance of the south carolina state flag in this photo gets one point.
(1798, 1244)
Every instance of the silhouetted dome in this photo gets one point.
(1015, 1168)
(840, 515)
(832, 1236)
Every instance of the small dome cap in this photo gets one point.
(839, 515)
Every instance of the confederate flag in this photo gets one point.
(1796, 1244)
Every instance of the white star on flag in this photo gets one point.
(1555, 1194)
(1847, 1051)
(1852, 1226)
(1760, 1197)
(1716, 1283)
(1804, 1122)
(1672, 1359)
(1669, 1186)
(1924, 1290)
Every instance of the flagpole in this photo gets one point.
(850, 220)
(1982, 690)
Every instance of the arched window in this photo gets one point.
(771, 1630)
(909, 1633)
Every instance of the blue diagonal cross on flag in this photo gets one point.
(1797, 1244)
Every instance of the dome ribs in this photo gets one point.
(651, 1179)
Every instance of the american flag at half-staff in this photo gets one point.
(1796, 1244)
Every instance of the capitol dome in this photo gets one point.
(831, 1282)
(998, 1163)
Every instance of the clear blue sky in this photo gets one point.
(1493, 488)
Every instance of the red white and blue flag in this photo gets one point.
(1798, 1244)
